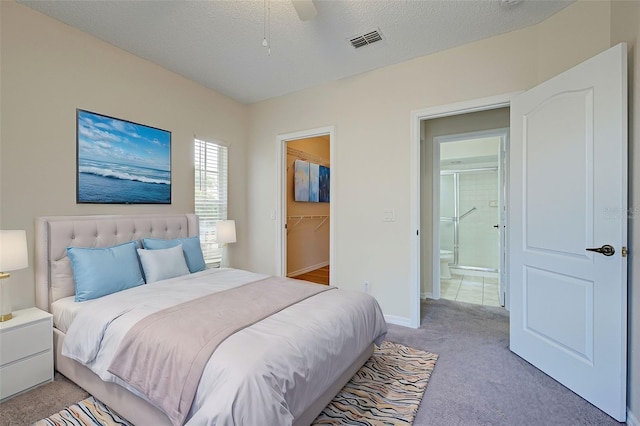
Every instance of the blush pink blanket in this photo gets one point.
(164, 355)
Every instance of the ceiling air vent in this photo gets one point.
(366, 38)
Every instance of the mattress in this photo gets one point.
(65, 310)
(267, 373)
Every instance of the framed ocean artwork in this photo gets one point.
(311, 182)
(121, 162)
(314, 188)
(301, 181)
(324, 178)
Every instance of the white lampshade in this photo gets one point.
(226, 231)
(13, 250)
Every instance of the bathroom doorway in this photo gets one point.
(444, 131)
(469, 183)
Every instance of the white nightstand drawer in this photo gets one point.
(20, 342)
(25, 374)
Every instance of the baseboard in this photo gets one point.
(631, 419)
(426, 295)
(308, 269)
(394, 319)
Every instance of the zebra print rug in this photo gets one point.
(88, 412)
(387, 390)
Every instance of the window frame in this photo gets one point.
(211, 193)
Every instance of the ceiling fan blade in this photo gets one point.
(305, 9)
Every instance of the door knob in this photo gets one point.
(606, 249)
(496, 226)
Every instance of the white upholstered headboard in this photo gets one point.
(54, 234)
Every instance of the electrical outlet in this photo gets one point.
(365, 286)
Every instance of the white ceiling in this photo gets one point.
(219, 43)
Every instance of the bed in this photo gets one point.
(283, 369)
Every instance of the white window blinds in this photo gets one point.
(210, 194)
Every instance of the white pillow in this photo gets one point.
(163, 264)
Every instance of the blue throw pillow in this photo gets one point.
(101, 271)
(190, 247)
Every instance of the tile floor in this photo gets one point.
(471, 287)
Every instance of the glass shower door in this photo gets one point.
(478, 238)
(447, 212)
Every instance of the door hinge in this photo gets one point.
(624, 251)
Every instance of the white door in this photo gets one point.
(568, 193)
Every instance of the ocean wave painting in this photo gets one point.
(301, 181)
(314, 171)
(121, 162)
(324, 184)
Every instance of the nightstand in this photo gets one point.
(26, 354)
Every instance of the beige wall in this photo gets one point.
(48, 70)
(456, 124)
(371, 115)
(572, 35)
(307, 239)
(370, 171)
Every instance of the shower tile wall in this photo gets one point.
(478, 239)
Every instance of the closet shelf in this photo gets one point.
(300, 218)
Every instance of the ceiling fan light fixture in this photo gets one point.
(305, 9)
(510, 3)
(266, 37)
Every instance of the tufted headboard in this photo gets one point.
(54, 279)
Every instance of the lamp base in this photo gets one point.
(5, 302)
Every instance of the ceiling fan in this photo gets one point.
(305, 9)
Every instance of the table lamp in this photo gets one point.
(13, 256)
(225, 234)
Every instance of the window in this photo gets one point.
(210, 194)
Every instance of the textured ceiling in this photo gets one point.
(219, 43)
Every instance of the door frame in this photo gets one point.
(281, 208)
(482, 104)
(503, 134)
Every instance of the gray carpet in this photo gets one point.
(476, 381)
(41, 402)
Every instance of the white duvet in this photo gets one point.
(266, 374)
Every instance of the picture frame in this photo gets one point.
(121, 162)
(311, 182)
(301, 180)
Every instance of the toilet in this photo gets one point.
(446, 257)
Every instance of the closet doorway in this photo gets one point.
(306, 206)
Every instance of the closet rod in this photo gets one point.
(301, 155)
(308, 216)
